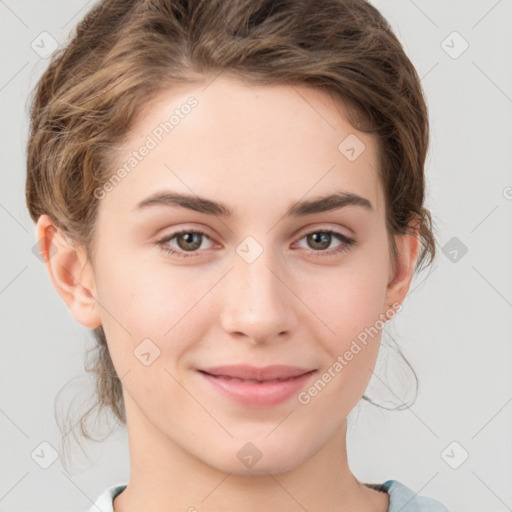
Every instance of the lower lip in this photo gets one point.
(261, 394)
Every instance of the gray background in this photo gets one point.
(455, 327)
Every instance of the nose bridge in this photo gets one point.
(257, 303)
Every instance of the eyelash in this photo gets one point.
(345, 246)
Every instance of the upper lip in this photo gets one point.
(247, 372)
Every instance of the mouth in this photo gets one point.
(274, 373)
(264, 391)
(252, 381)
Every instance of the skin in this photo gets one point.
(257, 149)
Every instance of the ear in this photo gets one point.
(401, 276)
(70, 271)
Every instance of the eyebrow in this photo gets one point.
(330, 202)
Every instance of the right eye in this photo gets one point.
(193, 240)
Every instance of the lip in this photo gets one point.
(240, 383)
(247, 372)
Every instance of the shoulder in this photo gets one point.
(401, 499)
(404, 499)
(105, 501)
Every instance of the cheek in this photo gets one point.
(352, 342)
(349, 298)
(151, 302)
(349, 302)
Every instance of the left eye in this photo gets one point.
(191, 242)
(324, 239)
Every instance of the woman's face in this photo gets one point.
(257, 287)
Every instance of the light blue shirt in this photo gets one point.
(401, 499)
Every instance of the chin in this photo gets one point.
(275, 463)
(258, 469)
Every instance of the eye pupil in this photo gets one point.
(317, 238)
(188, 236)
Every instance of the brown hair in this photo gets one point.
(124, 52)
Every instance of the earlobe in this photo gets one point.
(70, 272)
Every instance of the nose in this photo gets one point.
(258, 303)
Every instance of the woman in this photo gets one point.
(231, 195)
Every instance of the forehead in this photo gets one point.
(245, 145)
